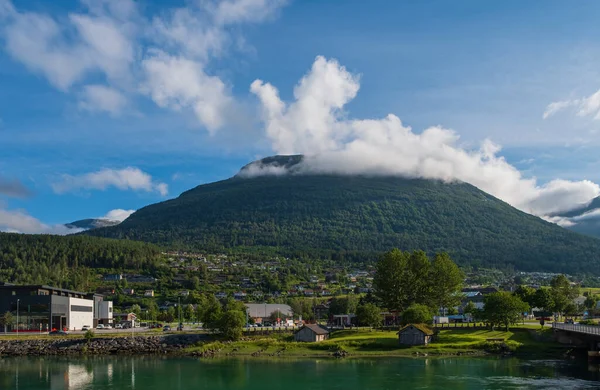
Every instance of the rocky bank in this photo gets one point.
(138, 345)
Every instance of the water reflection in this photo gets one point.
(160, 373)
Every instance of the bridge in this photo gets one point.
(579, 335)
(577, 328)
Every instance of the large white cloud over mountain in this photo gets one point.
(316, 125)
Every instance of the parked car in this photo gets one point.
(58, 333)
(107, 326)
(118, 326)
(166, 328)
(100, 326)
(86, 327)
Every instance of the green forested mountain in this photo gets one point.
(64, 261)
(358, 216)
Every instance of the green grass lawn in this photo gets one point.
(385, 343)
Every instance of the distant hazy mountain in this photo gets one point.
(92, 223)
(585, 220)
(356, 217)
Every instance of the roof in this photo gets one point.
(318, 329)
(8, 286)
(264, 310)
(470, 294)
(422, 327)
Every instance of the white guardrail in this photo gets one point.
(586, 329)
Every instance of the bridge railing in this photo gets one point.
(587, 329)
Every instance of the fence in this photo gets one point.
(586, 329)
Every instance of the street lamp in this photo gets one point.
(18, 300)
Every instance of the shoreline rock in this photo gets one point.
(138, 345)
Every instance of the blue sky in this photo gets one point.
(106, 104)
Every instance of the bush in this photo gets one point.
(417, 314)
(89, 335)
(588, 322)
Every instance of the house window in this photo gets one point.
(14, 293)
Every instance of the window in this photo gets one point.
(87, 309)
(14, 292)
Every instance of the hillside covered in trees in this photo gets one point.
(358, 217)
(65, 261)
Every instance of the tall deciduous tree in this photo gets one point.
(542, 299)
(446, 281)
(212, 312)
(503, 308)
(403, 278)
(527, 295)
(389, 280)
(231, 324)
(562, 293)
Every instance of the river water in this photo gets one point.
(150, 373)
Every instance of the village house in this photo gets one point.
(128, 291)
(239, 295)
(149, 293)
(221, 295)
(311, 333)
(184, 293)
(113, 277)
(415, 334)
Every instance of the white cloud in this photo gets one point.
(165, 56)
(238, 11)
(129, 178)
(18, 221)
(177, 83)
(98, 98)
(65, 53)
(586, 107)
(316, 125)
(118, 215)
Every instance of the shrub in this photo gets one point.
(89, 335)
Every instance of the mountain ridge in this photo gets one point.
(358, 217)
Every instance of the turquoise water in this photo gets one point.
(146, 373)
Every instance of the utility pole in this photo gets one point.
(18, 300)
(179, 307)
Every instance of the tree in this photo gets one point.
(405, 278)
(417, 314)
(446, 280)
(189, 313)
(231, 324)
(211, 315)
(590, 302)
(388, 281)
(527, 295)
(503, 308)
(6, 319)
(542, 299)
(562, 293)
(368, 314)
(136, 309)
(195, 283)
(345, 305)
(469, 308)
(152, 310)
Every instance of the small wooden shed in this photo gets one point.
(311, 333)
(415, 334)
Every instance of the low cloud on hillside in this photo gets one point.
(316, 125)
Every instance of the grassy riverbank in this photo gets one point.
(458, 341)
